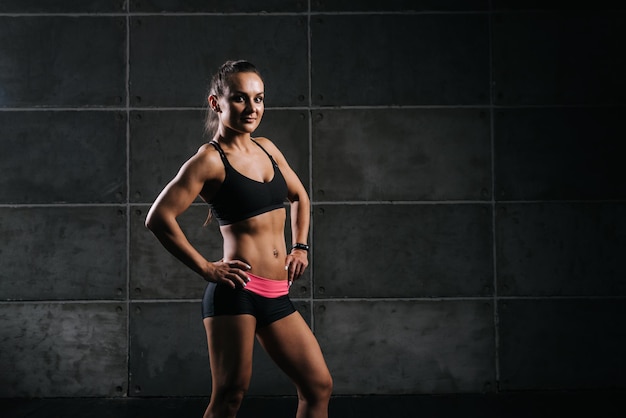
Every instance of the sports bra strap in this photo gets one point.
(225, 160)
(268, 154)
(221, 151)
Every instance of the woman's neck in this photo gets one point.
(233, 139)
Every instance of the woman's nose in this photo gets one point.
(251, 105)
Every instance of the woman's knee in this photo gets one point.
(226, 401)
(318, 389)
(326, 387)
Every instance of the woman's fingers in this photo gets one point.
(295, 267)
(233, 273)
(239, 264)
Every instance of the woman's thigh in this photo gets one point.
(230, 340)
(293, 347)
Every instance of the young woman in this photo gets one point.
(247, 182)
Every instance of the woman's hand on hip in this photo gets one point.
(297, 261)
(231, 273)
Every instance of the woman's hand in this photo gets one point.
(231, 273)
(297, 261)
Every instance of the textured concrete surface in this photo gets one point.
(63, 349)
(401, 155)
(464, 160)
(63, 253)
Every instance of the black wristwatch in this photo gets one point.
(300, 246)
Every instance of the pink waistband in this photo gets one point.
(266, 287)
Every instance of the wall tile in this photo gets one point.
(63, 253)
(154, 272)
(401, 154)
(161, 141)
(49, 61)
(400, 59)
(402, 250)
(53, 157)
(407, 347)
(552, 344)
(560, 153)
(561, 249)
(397, 5)
(62, 350)
(559, 58)
(175, 56)
(168, 344)
(218, 6)
(65, 6)
(534, 5)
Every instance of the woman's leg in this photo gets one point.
(231, 341)
(294, 348)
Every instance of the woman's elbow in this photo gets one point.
(153, 220)
(299, 197)
(149, 223)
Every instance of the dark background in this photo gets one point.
(464, 160)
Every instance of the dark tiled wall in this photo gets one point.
(464, 160)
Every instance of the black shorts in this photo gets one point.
(220, 299)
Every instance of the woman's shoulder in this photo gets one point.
(207, 153)
(205, 147)
(206, 161)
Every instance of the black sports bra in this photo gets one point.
(239, 197)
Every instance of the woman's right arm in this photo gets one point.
(175, 199)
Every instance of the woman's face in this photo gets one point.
(241, 108)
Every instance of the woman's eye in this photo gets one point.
(259, 99)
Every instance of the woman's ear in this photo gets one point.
(213, 103)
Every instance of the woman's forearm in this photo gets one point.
(171, 236)
(300, 219)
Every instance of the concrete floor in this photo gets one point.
(517, 405)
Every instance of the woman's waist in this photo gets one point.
(265, 287)
(274, 271)
(267, 257)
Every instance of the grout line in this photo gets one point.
(496, 319)
(330, 203)
(253, 14)
(310, 173)
(310, 107)
(339, 299)
(399, 202)
(128, 206)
